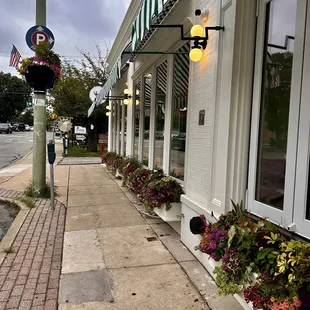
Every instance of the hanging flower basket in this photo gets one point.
(40, 78)
(43, 70)
(173, 214)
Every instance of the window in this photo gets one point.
(179, 113)
(161, 90)
(277, 183)
(137, 122)
(147, 109)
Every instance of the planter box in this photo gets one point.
(40, 78)
(173, 215)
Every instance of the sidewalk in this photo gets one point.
(113, 258)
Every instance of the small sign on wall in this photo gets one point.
(201, 117)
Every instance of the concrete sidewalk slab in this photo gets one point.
(14, 169)
(105, 216)
(160, 287)
(96, 200)
(85, 286)
(80, 161)
(82, 218)
(93, 190)
(171, 239)
(129, 247)
(82, 252)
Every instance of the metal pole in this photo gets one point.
(39, 142)
(52, 186)
(39, 130)
(41, 12)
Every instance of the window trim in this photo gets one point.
(285, 217)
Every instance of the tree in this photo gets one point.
(71, 95)
(26, 117)
(277, 98)
(14, 94)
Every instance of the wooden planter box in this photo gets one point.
(173, 215)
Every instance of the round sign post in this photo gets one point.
(38, 34)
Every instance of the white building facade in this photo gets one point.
(234, 125)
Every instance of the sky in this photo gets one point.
(74, 23)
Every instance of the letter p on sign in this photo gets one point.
(39, 37)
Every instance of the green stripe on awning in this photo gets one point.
(143, 21)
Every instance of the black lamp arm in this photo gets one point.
(183, 37)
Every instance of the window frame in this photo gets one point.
(281, 217)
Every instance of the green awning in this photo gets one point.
(149, 10)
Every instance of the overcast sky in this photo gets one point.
(74, 23)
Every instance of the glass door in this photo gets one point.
(301, 217)
(276, 102)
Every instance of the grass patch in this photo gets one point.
(79, 151)
(45, 192)
(28, 201)
(9, 250)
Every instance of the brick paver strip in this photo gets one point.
(29, 277)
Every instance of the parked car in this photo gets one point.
(179, 142)
(6, 128)
(15, 126)
(21, 127)
(27, 127)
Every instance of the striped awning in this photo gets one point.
(142, 23)
(114, 75)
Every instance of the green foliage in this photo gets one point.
(44, 52)
(247, 247)
(26, 117)
(71, 95)
(277, 99)
(14, 94)
(79, 151)
(44, 192)
(9, 250)
(28, 201)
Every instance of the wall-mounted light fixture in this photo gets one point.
(108, 113)
(199, 34)
(126, 98)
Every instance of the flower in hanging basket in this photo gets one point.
(43, 70)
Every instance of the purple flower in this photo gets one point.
(213, 245)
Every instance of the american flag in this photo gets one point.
(15, 57)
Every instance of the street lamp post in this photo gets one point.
(39, 130)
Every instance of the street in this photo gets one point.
(15, 146)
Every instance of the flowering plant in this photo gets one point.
(163, 191)
(116, 164)
(272, 269)
(108, 158)
(129, 166)
(44, 57)
(137, 179)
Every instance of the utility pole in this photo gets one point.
(39, 130)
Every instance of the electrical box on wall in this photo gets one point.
(201, 117)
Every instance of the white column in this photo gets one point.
(152, 119)
(141, 123)
(110, 132)
(123, 129)
(118, 127)
(130, 115)
(168, 111)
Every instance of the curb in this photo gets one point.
(17, 160)
(11, 234)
